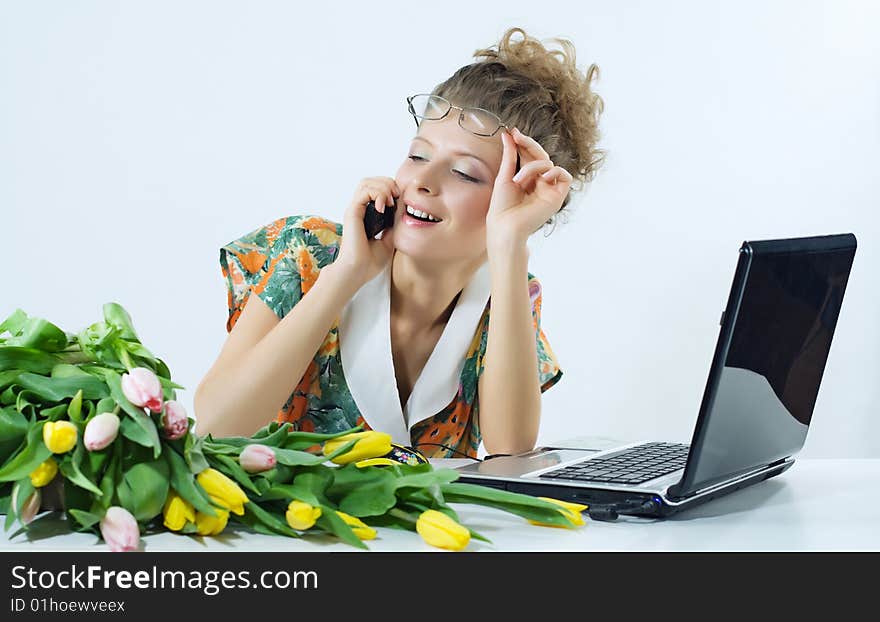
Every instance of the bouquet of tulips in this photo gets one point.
(93, 417)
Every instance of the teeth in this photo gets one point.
(421, 214)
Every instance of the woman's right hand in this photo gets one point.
(360, 257)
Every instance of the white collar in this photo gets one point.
(365, 350)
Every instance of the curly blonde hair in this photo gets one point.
(541, 92)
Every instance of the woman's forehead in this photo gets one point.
(450, 137)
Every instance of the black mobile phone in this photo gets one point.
(375, 221)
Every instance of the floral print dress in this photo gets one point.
(280, 263)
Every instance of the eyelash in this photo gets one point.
(463, 176)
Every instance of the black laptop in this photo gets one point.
(774, 341)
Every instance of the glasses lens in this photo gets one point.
(480, 122)
(429, 106)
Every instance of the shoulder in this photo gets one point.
(290, 237)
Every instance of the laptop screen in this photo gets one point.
(770, 357)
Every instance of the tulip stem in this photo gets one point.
(74, 357)
(404, 515)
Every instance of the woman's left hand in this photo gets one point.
(521, 203)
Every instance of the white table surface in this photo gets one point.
(817, 505)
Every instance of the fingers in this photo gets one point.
(509, 156)
(541, 169)
(557, 173)
(531, 170)
(529, 145)
(383, 190)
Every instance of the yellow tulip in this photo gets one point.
(438, 529)
(207, 525)
(44, 473)
(178, 511)
(370, 444)
(360, 529)
(59, 436)
(570, 511)
(222, 490)
(302, 515)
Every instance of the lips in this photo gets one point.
(420, 208)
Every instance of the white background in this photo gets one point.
(138, 138)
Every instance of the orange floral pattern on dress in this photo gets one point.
(280, 263)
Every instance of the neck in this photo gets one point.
(424, 295)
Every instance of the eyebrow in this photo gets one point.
(464, 153)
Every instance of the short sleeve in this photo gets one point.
(549, 371)
(278, 262)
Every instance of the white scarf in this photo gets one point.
(365, 349)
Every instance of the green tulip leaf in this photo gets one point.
(373, 499)
(54, 413)
(193, 452)
(13, 428)
(331, 521)
(290, 492)
(85, 519)
(116, 316)
(138, 432)
(26, 359)
(106, 405)
(183, 482)
(70, 468)
(66, 370)
(271, 521)
(526, 506)
(144, 488)
(292, 457)
(57, 389)
(14, 323)
(74, 408)
(39, 334)
(315, 481)
(29, 458)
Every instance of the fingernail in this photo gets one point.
(518, 176)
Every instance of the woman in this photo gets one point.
(395, 333)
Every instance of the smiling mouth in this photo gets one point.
(420, 215)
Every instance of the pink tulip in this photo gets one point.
(31, 505)
(143, 389)
(257, 458)
(175, 421)
(120, 529)
(101, 431)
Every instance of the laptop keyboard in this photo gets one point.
(634, 465)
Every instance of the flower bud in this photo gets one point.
(257, 458)
(120, 529)
(370, 444)
(438, 529)
(59, 436)
(301, 515)
(177, 512)
(222, 490)
(143, 389)
(31, 505)
(570, 511)
(174, 421)
(101, 431)
(44, 473)
(207, 525)
(360, 529)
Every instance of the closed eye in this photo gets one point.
(465, 177)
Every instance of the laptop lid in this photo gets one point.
(774, 341)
